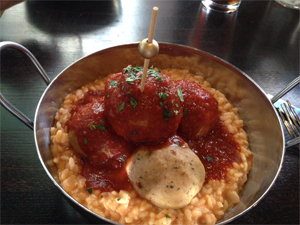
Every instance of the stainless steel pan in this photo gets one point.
(261, 121)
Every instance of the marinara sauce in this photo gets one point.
(217, 151)
(105, 152)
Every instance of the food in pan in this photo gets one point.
(174, 154)
(169, 174)
(138, 117)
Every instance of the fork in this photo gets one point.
(290, 118)
(291, 122)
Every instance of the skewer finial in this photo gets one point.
(148, 48)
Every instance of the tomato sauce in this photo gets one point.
(107, 172)
(89, 97)
(175, 139)
(110, 176)
(217, 151)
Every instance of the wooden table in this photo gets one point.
(261, 38)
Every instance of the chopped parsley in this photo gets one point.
(107, 95)
(184, 112)
(131, 71)
(122, 158)
(209, 159)
(177, 143)
(167, 216)
(94, 127)
(85, 141)
(148, 153)
(179, 92)
(159, 78)
(129, 93)
(118, 199)
(161, 104)
(100, 127)
(121, 106)
(90, 190)
(134, 133)
(176, 112)
(167, 113)
(130, 79)
(133, 101)
(101, 196)
(155, 73)
(113, 83)
(162, 95)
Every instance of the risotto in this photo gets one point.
(217, 195)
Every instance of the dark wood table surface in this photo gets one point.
(261, 39)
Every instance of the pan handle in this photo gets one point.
(289, 87)
(4, 102)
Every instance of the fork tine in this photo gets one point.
(289, 117)
(285, 123)
(295, 116)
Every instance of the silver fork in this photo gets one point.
(290, 118)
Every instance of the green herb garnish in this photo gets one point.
(159, 78)
(122, 158)
(90, 190)
(131, 71)
(134, 133)
(167, 216)
(130, 79)
(177, 143)
(148, 153)
(100, 127)
(133, 101)
(209, 159)
(92, 126)
(179, 92)
(176, 112)
(121, 106)
(113, 83)
(85, 141)
(162, 95)
(184, 112)
(167, 113)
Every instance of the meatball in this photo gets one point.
(151, 116)
(91, 135)
(169, 176)
(200, 110)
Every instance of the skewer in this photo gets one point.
(148, 48)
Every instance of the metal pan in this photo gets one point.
(261, 122)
